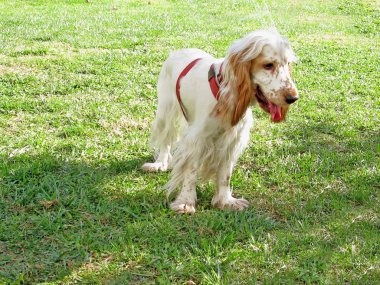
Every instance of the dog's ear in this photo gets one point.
(238, 92)
(243, 89)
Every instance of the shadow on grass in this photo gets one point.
(64, 219)
(55, 214)
(73, 221)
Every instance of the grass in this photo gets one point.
(77, 85)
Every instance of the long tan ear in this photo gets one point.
(243, 88)
(239, 90)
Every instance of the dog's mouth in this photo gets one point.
(277, 113)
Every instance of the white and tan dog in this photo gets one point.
(205, 103)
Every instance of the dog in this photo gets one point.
(204, 108)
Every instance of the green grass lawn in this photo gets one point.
(77, 98)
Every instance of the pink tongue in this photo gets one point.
(275, 112)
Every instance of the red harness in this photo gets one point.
(213, 79)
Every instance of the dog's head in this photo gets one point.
(258, 69)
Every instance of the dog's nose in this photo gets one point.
(290, 99)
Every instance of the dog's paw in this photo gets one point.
(182, 208)
(154, 167)
(231, 203)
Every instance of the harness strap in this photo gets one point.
(177, 86)
(215, 79)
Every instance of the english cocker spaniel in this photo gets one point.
(205, 104)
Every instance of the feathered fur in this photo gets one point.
(217, 131)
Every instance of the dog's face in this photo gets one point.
(257, 68)
(274, 87)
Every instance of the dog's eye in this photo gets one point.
(269, 66)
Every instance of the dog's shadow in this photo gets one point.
(68, 214)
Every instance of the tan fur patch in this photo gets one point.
(244, 90)
(233, 106)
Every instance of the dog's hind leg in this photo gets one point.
(163, 136)
(165, 128)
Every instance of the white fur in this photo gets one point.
(209, 145)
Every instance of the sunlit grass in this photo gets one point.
(77, 98)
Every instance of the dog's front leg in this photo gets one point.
(223, 196)
(186, 199)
